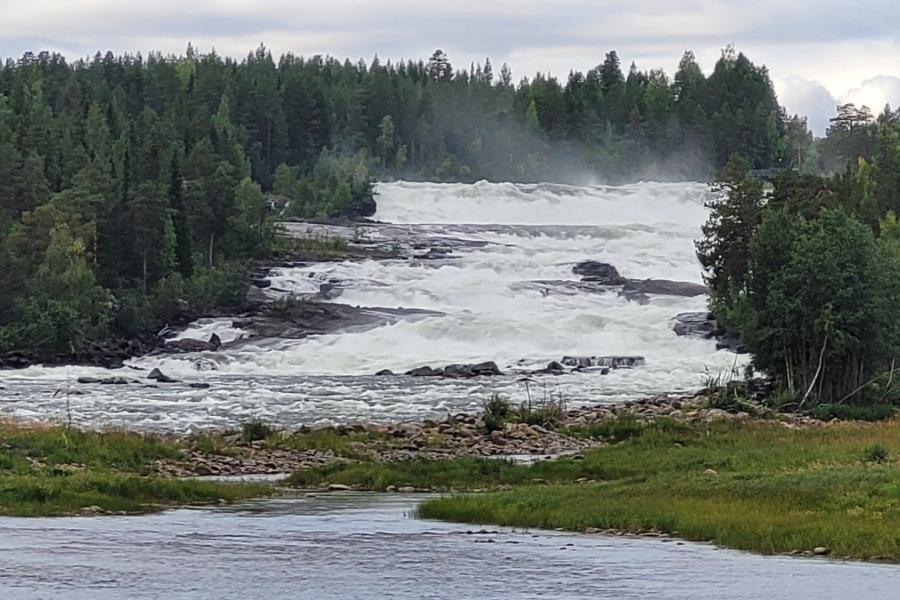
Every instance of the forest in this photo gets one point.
(809, 270)
(133, 190)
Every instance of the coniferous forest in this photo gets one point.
(134, 189)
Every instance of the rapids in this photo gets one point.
(513, 234)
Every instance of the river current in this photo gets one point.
(358, 546)
(491, 302)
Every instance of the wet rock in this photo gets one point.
(338, 487)
(820, 551)
(192, 345)
(384, 373)
(425, 372)
(260, 283)
(696, 324)
(161, 377)
(664, 287)
(555, 367)
(485, 369)
(704, 325)
(598, 272)
(609, 362)
(199, 386)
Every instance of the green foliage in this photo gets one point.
(876, 453)
(255, 430)
(224, 286)
(774, 490)
(50, 471)
(854, 412)
(496, 411)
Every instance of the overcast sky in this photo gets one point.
(819, 52)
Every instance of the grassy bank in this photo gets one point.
(754, 486)
(48, 471)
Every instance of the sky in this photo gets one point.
(819, 53)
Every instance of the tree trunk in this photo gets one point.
(212, 243)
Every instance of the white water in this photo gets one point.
(532, 232)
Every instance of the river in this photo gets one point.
(349, 546)
(494, 303)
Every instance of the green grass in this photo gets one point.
(774, 489)
(49, 471)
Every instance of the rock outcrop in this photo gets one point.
(704, 325)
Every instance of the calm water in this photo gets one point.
(370, 546)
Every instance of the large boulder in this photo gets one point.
(160, 377)
(599, 272)
(459, 371)
(425, 372)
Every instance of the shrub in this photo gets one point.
(495, 413)
(854, 412)
(875, 454)
(223, 286)
(255, 430)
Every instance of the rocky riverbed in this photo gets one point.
(459, 435)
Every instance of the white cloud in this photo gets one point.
(809, 98)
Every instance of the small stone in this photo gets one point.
(711, 472)
(406, 489)
(593, 530)
(338, 487)
(820, 551)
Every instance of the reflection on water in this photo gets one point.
(371, 546)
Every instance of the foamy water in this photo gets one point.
(527, 233)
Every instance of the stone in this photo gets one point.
(406, 489)
(159, 376)
(820, 551)
(199, 386)
(711, 472)
(338, 487)
(384, 373)
(424, 372)
(598, 272)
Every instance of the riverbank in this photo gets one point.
(745, 477)
(54, 471)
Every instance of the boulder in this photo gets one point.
(485, 369)
(199, 386)
(425, 372)
(260, 282)
(555, 367)
(160, 377)
(384, 373)
(460, 371)
(599, 272)
(704, 325)
(697, 324)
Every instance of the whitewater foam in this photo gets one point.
(524, 233)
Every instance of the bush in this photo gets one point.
(548, 413)
(875, 454)
(854, 412)
(495, 413)
(256, 430)
(221, 287)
